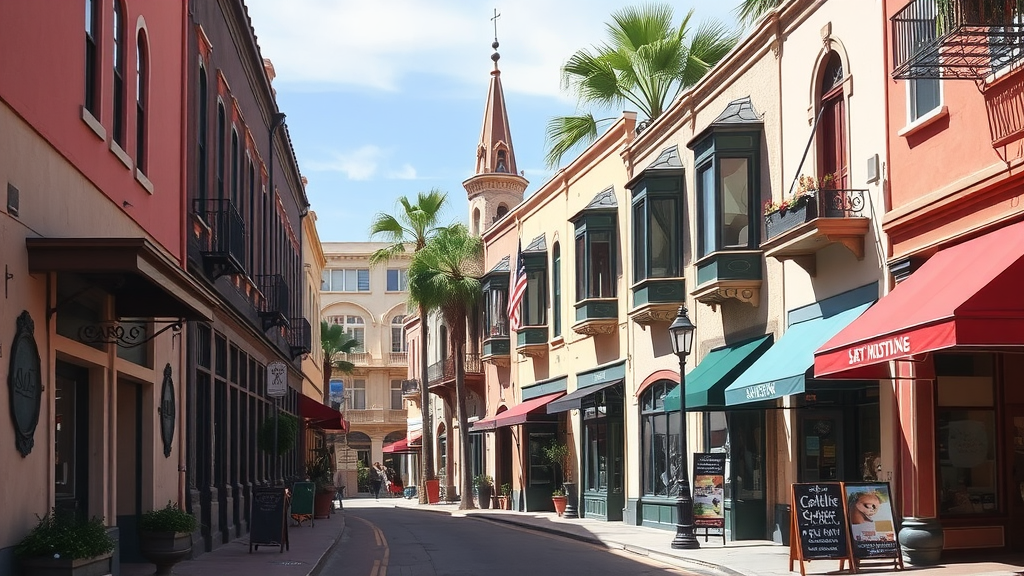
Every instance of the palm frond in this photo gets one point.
(708, 46)
(565, 133)
(749, 11)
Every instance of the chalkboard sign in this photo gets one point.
(873, 522)
(267, 517)
(820, 530)
(302, 502)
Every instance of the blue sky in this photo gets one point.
(386, 98)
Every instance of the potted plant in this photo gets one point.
(66, 544)
(505, 499)
(165, 536)
(801, 207)
(318, 470)
(484, 489)
(557, 454)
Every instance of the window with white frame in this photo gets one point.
(357, 396)
(396, 394)
(398, 334)
(925, 95)
(346, 280)
(398, 279)
(353, 326)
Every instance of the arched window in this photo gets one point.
(92, 69)
(118, 63)
(502, 163)
(476, 221)
(141, 95)
(659, 437)
(222, 129)
(832, 126)
(398, 334)
(354, 327)
(502, 210)
(202, 131)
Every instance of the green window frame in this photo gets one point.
(495, 314)
(556, 289)
(595, 256)
(657, 228)
(728, 194)
(535, 300)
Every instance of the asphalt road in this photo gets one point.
(398, 542)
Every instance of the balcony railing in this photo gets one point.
(357, 358)
(410, 388)
(445, 369)
(300, 337)
(398, 358)
(223, 248)
(276, 300)
(376, 416)
(955, 39)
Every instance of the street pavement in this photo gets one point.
(309, 546)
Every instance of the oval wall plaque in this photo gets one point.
(24, 380)
(167, 411)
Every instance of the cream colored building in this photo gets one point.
(637, 226)
(370, 302)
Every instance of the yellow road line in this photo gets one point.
(380, 567)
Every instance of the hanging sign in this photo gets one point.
(277, 379)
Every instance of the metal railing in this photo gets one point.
(300, 337)
(410, 387)
(224, 249)
(844, 203)
(445, 369)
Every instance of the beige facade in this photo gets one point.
(370, 302)
(313, 267)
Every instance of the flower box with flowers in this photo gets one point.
(802, 207)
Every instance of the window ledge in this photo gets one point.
(924, 121)
(121, 154)
(93, 124)
(142, 179)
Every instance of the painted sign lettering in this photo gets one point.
(881, 350)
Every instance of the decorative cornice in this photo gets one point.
(499, 361)
(597, 326)
(495, 182)
(651, 313)
(715, 293)
(533, 350)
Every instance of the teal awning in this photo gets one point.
(706, 383)
(780, 372)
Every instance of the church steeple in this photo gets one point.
(496, 186)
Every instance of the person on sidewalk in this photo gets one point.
(377, 478)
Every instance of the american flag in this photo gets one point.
(515, 317)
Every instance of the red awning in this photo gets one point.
(965, 295)
(402, 446)
(517, 414)
(320, 416)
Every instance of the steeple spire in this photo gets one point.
(496, 186)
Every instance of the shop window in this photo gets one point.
(966, 434)
(659, 441)
(541, 471)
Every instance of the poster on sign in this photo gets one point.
(709, 490)
(872, 521)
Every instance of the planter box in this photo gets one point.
(784, 220)
(95, 566)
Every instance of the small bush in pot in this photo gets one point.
(66, 543)
(166, 536)
(170, 518)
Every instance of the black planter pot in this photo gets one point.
(165, 549)
(778, 222)
(921, 540)
(95, 566)
(484, 494)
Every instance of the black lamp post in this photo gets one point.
(681, 332)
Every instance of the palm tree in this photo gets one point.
(333, 341)
(646, 62)
(750, 10)
(413, 226)
(445, 276)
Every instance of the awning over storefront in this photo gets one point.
(404, 446)
(527, 411)
(705, 384)
(573, 400)
(145, 283)
(320, 416)
(965, 295)
(781, 370)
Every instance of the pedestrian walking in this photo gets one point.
(377, 479)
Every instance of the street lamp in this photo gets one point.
(681, 333)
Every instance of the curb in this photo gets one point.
(315, 570)
(699, 566)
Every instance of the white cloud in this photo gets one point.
(406, 172)
(354, 44)
(359, 164)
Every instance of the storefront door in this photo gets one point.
(821, 446)
(745, 503)
(71, 438)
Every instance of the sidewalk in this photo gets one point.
(746, 558)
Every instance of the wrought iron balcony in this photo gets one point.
(276, 300)
(300, 337)
(223, 243)
(444, 371)
(834, 217)
(411, 389)
(956, 39)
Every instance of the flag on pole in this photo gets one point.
(515, 299)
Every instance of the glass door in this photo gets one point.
(71, 438)
(821, 441)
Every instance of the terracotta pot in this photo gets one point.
(559, 502)
(323, 503)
